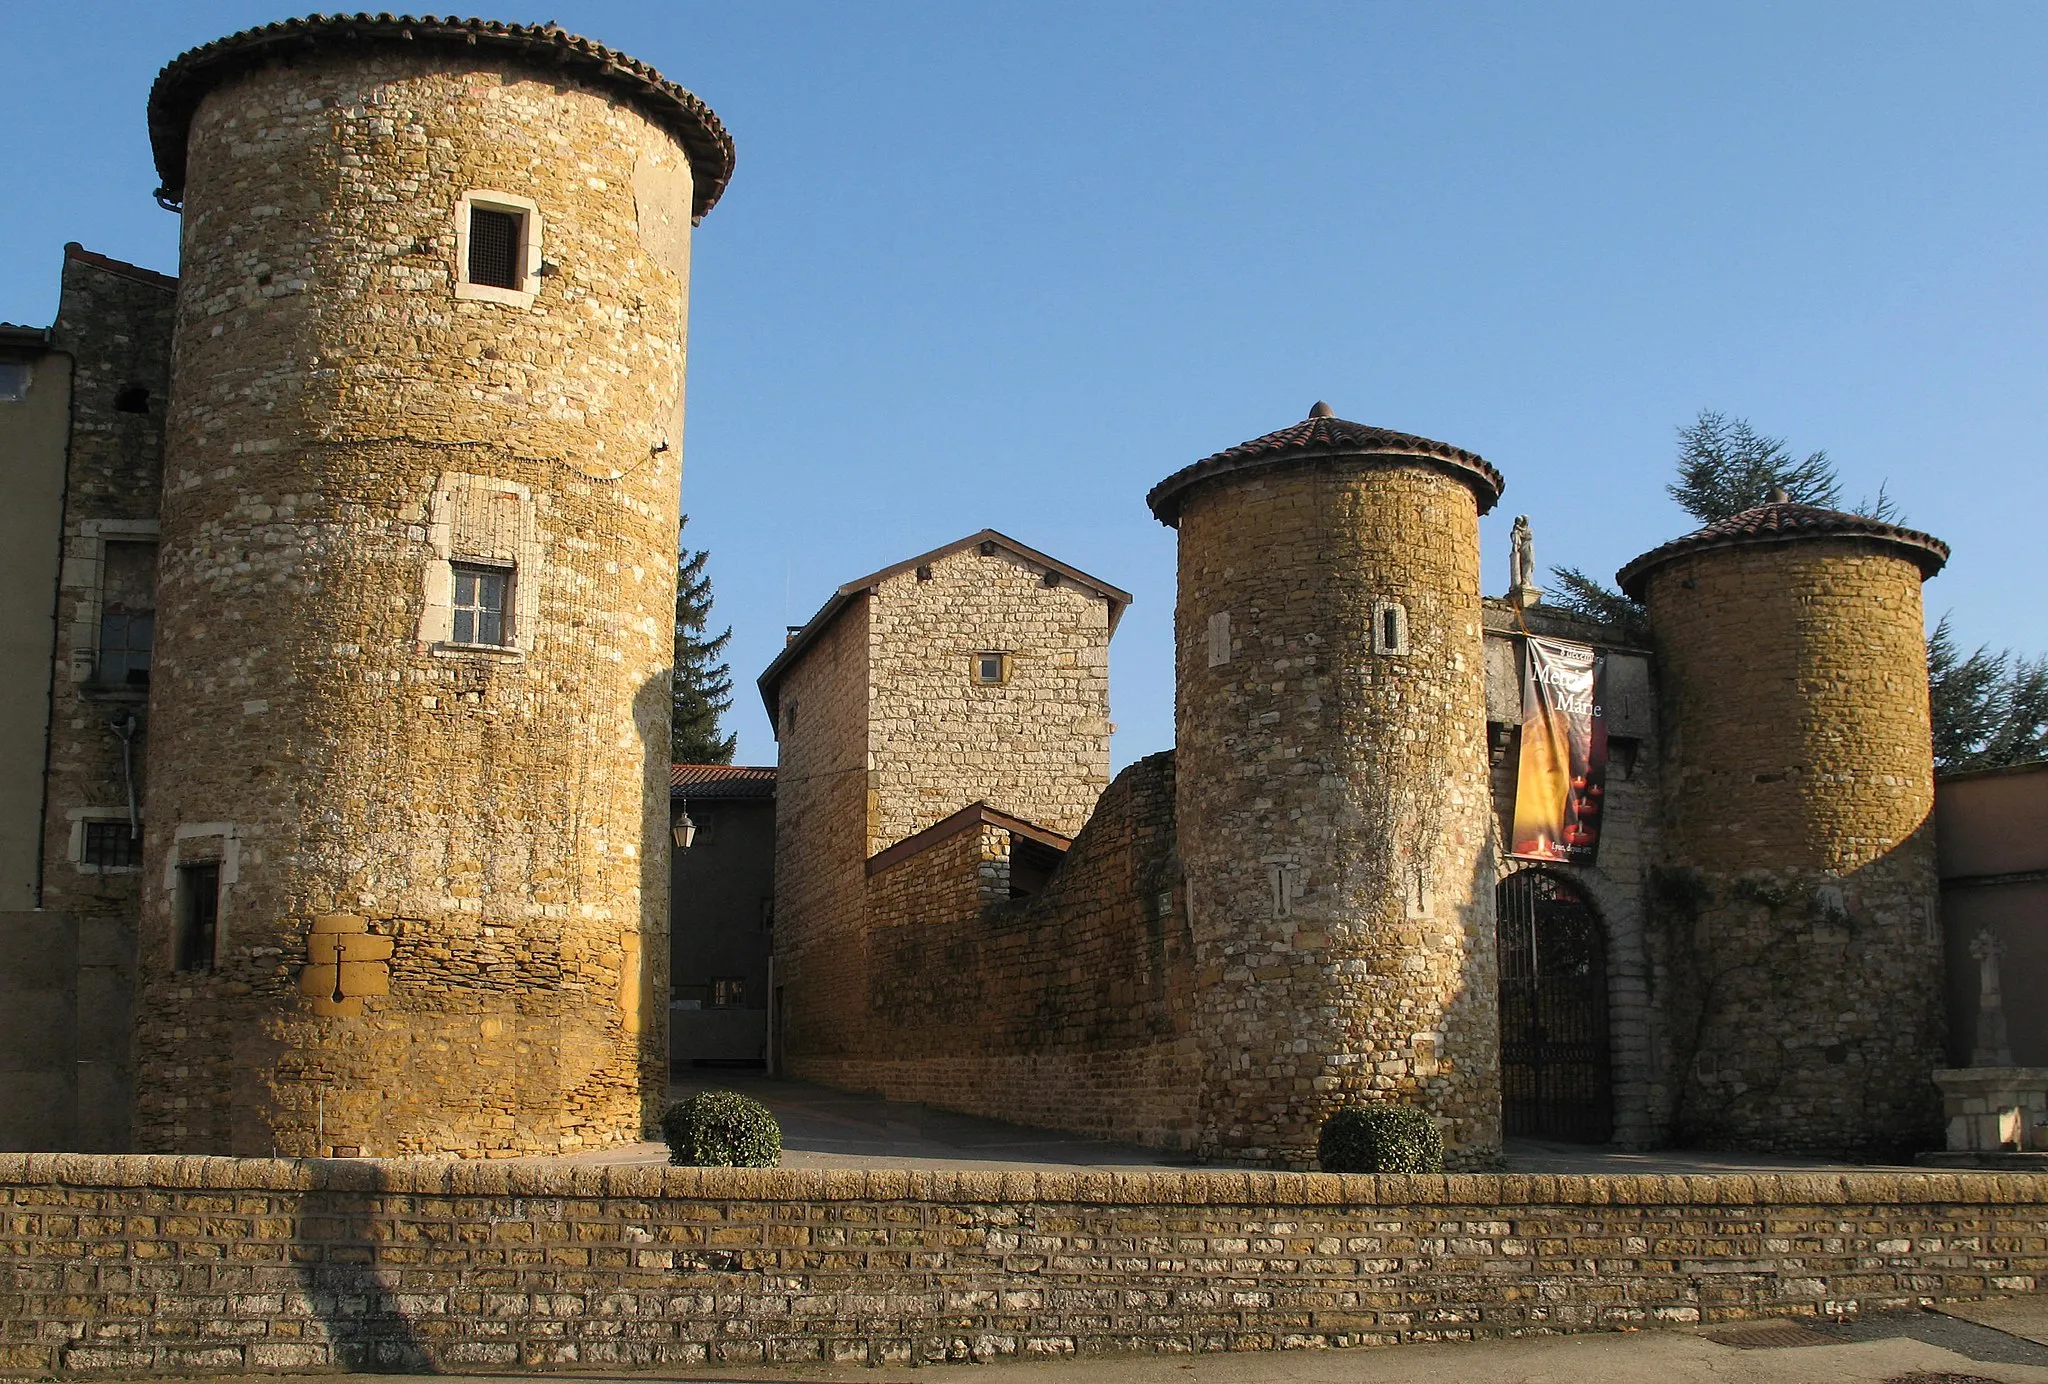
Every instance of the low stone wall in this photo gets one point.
(139, 1264)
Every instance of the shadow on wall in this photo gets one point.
(1807, 1011)
(348, 1254)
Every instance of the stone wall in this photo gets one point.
(1067, 1009)
(886, 730)
(1035, 744)
(1798, 796)
(347, 420)
(1334, 805)
(191, 1265)
(823, 814)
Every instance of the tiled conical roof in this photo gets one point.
(1782, 521)
(1323, 435)
(548, 48)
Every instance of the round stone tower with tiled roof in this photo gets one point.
(408, 749)
(1331, 785)
(1800, 888)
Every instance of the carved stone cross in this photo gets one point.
(1994, 1045)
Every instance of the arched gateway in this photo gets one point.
(1553, 1011)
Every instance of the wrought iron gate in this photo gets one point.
(1553, 1011)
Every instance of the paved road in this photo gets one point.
(824, 1128)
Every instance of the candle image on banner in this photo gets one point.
(1562, 776)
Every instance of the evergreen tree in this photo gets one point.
(1989, 709)
(702, 689)
(1725, 467)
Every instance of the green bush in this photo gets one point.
(1381, 1139)
(721, 1129)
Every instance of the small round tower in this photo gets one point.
(408, 752)
(1331, 784)
(1799, 881)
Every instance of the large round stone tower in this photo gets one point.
(1798, 775)
(409, 734)
(1333, 810)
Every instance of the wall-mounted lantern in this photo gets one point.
(684, 830)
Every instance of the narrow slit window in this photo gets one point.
(198, 914)
(495, 248)
(1389, 628)
(480, 604)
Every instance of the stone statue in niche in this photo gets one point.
(1522, 588)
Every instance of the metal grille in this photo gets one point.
(1553, 1011)
(112, 845)
(494, 248)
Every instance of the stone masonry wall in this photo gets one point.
(1067, 1009)
(1035, 745)
(344, 423)
(116, 321)
(1333, 805)
(189, 1266)
(1799, 792)
(823, 811)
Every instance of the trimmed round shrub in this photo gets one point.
(1381, 1139)
(721, 1129)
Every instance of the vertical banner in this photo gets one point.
(1562, 777)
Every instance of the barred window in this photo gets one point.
(111, 845)
(480, 604)
(495, 248)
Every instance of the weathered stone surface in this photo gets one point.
(1802, 900)
(344, 422)
(885, 730)
(123, 1264)
(1334, 814)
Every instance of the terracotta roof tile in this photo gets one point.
(1785, 522)
(721, 781)
(185, 81)
(1322, 435)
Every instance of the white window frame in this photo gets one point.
(528, 212)
(75, 852)
(521, 563)
(84, 586)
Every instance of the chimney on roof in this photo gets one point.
(1780, 495)
(1321, 410)
(789, 634)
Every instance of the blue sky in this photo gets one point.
(1007, 266)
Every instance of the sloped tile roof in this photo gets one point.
(721, 781)
(547, 48)
(1786, 522)
(1322, 435)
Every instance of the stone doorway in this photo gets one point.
(1554, 1040)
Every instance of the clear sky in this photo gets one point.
(1007, 266)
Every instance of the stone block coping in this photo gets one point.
(1197, 1188)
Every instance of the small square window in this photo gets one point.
(496, 248)
(111, 846)
(728, 992)
(991, 668)
(480, 604)
(198, 915)
(14, 378)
